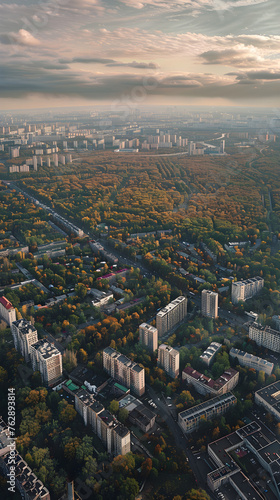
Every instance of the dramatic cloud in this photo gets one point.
(23, 37)
(134, 64)
(196, 5)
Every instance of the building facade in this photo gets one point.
(7, 311)
(209, 304)
(47, 359)
(168, 359)
(148, 336)
(246, 359)
(244, 290)
(124, 370)
(189, 420)
(206, 385)
(171, 315)
(24, 335)
(265, 336)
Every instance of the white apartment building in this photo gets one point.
(189, 420)
(168, 359)
(148, 336)
(244, 290)
(124, 370)
(171, 315)
(209, 304)
(208, 355)
(265, 336)
(246, 359)
(114, 435)
(46, 358)
(7, 311)
(24, 335)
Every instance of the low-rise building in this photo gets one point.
(250, 438)
(169, 359)
(206, 385)
(46, 358)
(139, 414)
(265, 336)
(246, 359)
(209, 354)
(189, 420)
(269, 398)
(24, 335)
(100, 298)
(7, 311)
(148, 336)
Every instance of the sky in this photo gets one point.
(128, 53)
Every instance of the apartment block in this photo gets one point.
(26, 482)
(148, 336)
(7, 311)
(244, 290)
(124, 370)
(246, 359)
(209, 354)
(114, 435)
(46, 358)
(171, 315)
(189, 420)
(265, 336)
(24, 335)
(206, 385)
(209, 304)
(168, 359)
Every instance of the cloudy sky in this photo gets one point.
(134, 52)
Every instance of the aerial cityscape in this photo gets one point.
(140, 250)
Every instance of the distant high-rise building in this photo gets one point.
(124, 370)
(24, 335)
(168, 359)
(222, 146)
(148, 335)
(62, 159)
(243, 290)
(46, 358)
(55, 160)
(64, 144)
(171, 315)
(48, 161)
(7, 311)
(69, 158)
(209, 304)
(15, 152)
(35, 163)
